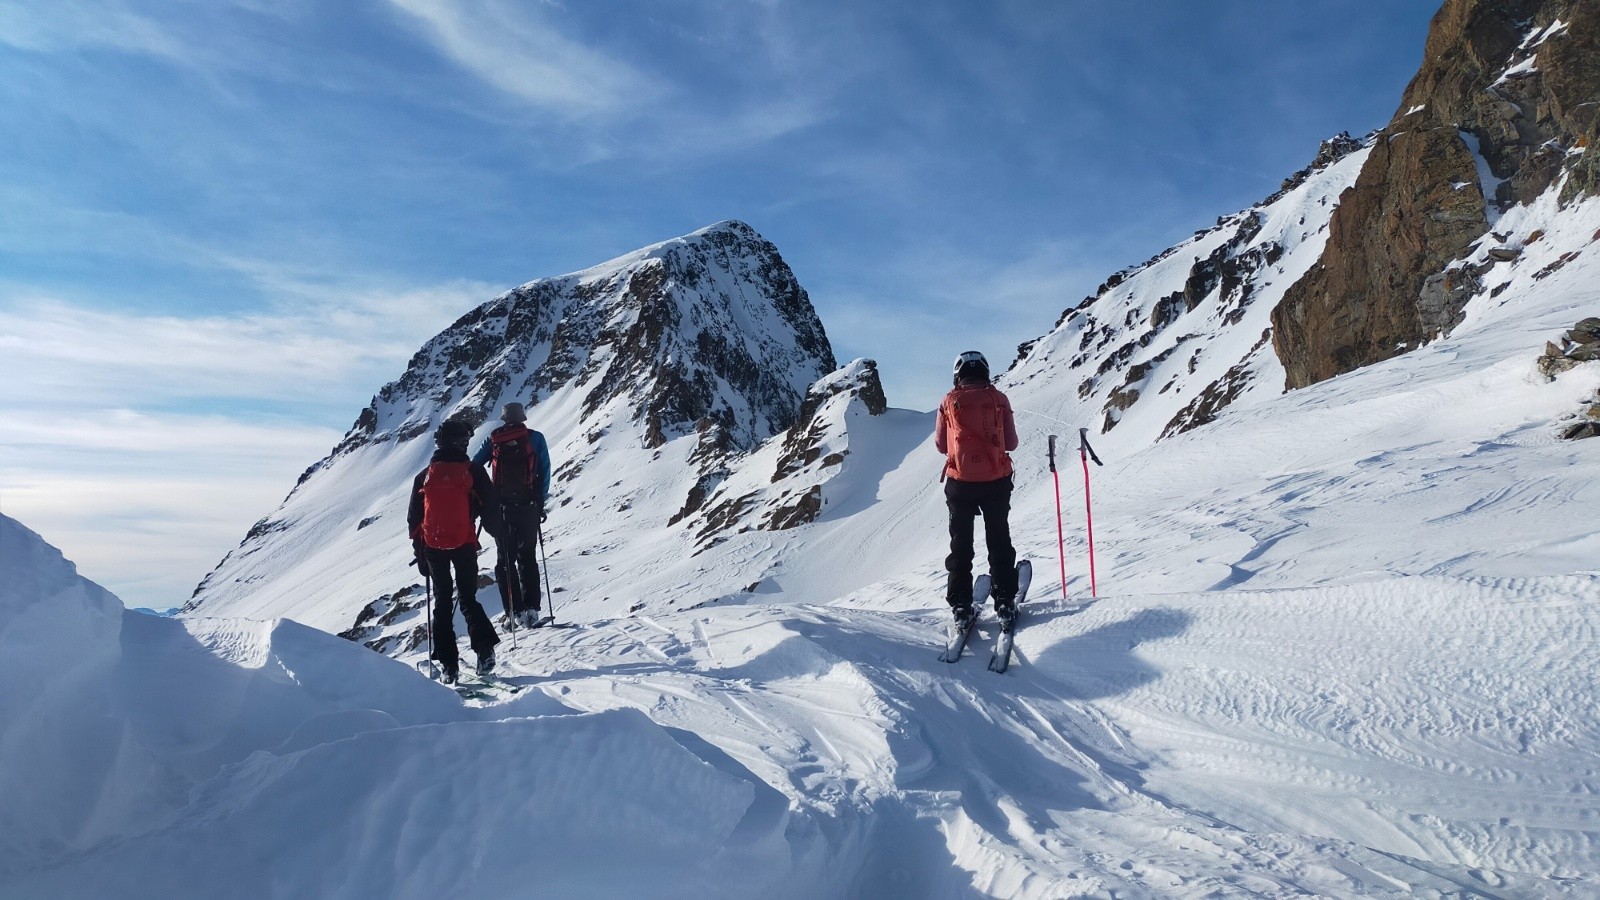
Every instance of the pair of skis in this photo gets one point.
(956, 638)
(472, 686)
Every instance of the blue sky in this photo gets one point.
(223, 225)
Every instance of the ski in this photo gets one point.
(956, 639)
(1000, 659)
(485, 687)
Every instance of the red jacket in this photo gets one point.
(975, 430)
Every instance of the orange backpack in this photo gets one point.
(447, 506)
(975, 434)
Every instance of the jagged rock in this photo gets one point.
(1585, 332)
(1556, 266)
(1551, 366)
(814, 444)
(1442, 301)
(1403, 221)
(1132, 387)
(1580, 431)
(1331, 151)
(1216, 397)
(698, 494)
(802, 445)
(1579, 345)
(1504, 254)
(1418, 205)
(802, 511)
(659, 331)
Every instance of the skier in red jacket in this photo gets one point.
(446, 500)
(975, 431)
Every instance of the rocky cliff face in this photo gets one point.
(1504, 108)
(1165, 346)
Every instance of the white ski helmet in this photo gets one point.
(969, 360)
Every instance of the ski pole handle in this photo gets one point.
(1052, 453)
(1084, 450)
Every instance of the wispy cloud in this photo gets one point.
(57, 25)
(518, 49)
(56, 352)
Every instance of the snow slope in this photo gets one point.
(1332, 741)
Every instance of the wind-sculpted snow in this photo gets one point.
(567, 806)
(1400, 737)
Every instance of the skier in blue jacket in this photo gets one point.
(519, 462)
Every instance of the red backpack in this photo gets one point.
(975, 434)
(513, 462)
(447, 506)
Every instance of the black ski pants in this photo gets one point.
(516, 567)
(455, 576)
(967, 500)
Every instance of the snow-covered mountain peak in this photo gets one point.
(712, 325)
(687, 354)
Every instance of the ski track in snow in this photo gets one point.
(1242, 742)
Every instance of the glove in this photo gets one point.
(419, 555)
(544, 514)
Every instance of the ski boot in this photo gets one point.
(485, 664)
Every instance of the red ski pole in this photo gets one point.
(1086, 453)
(1061, 537)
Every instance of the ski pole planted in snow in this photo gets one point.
(545, 568)
(1061, 538)
(427, 616)
(1086, 453)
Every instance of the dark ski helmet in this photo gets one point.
(971, 366)
(453, 434)
(513, 412)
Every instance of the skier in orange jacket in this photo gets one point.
(976, 431)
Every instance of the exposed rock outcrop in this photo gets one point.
(807, 455)
(1576, 347)
(1507, 97)
(1579, 346)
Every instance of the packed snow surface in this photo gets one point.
(1345, 645)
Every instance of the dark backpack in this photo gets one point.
(513, 464)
